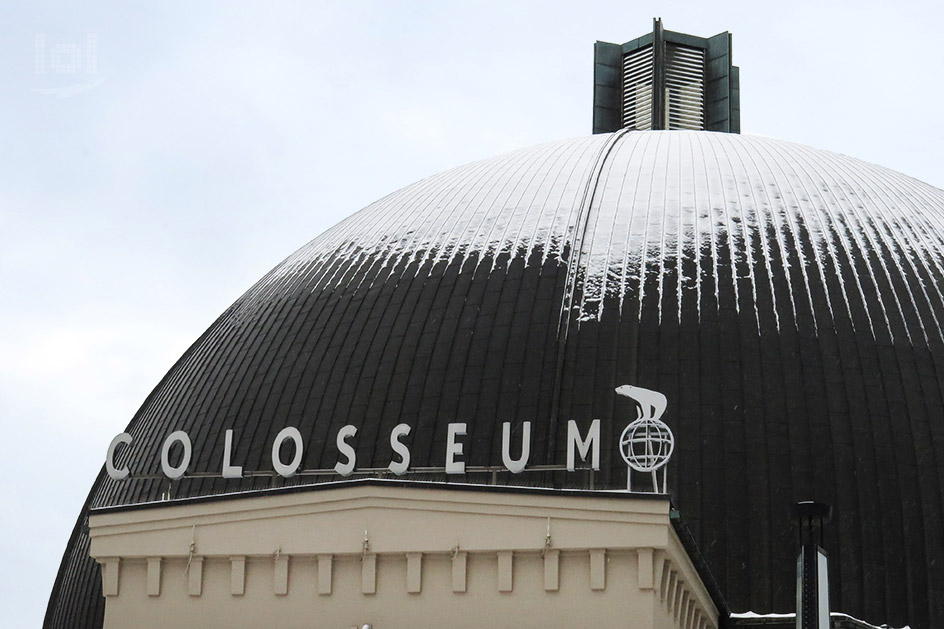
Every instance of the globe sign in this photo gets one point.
(646, 444)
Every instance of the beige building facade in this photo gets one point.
(399, 555)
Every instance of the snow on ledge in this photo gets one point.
(832, 616)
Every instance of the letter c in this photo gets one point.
(115, 473)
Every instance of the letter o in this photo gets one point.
(287, 471)
(176, 472)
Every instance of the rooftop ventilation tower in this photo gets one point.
(666, 80)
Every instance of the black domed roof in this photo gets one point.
(786, 300)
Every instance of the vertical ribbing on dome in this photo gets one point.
(786, 300)
(565, 315)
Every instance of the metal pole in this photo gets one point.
(812, 611)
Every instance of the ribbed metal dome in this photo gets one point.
(786, 300)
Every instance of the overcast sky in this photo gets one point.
(159, 158)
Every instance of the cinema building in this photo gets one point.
(420, 418)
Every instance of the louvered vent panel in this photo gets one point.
(684, 87)
(637, 89)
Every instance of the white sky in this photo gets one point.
(141, 194)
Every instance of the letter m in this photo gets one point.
(577, 445)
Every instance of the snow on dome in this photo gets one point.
(786, 300)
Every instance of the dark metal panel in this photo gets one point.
(607, 76)
(720, 82)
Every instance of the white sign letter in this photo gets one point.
(287, 471)
(516, 466)
(230, 471)
(114, 472)
(399, 468)
(583, 445)
(454, 449)
(176, 472)
(345, 469)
